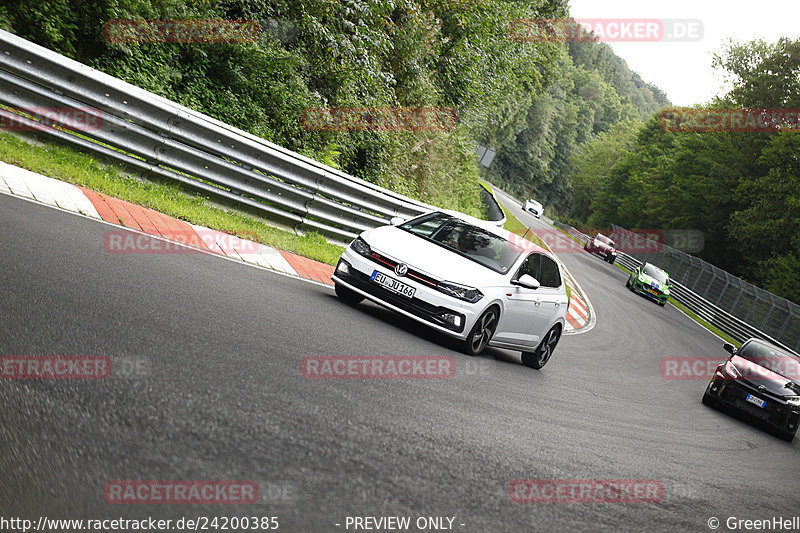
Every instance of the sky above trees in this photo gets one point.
(683, 69)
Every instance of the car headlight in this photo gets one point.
(361, 247)
(794, 401)
(462, 292)
(731, 370)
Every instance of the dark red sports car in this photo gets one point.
(602, 246)
(762, 381)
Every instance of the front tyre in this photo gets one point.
(348, 296)
(539, 357)
(481, 332)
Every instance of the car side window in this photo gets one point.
(550, 276)
(531, 266)
(541, 267)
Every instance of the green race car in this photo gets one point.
(650, 281)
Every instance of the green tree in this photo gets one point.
(741, 189)
(595, 91)
(592, 164)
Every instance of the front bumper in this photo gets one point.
(428, 306)
(645, 290)
(604, 252)
(733, 393)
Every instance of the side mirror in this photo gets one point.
(527, 281)
(396, 221)
(730, 348)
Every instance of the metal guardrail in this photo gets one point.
(582, 237)
(711, 313)
(164, 139)
(161, 138)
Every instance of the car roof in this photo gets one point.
(771, 346)
(500, 232)
(657, 268)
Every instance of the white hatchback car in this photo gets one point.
(534, 207)
(464, 277)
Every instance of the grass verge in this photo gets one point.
(573, 237)
(514, 225)
(65, 164)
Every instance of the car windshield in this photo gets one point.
(602, 238)
(656, 273)
(770, 357)
(470, 241)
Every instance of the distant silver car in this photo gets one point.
(532, 206)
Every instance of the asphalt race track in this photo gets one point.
(218, 395)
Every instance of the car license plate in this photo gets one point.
(755, 400)
(651, 291)
(392, 284)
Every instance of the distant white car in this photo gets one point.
(534, 207)
(461, 276)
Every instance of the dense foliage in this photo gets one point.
(742, 189)
(595, 92)
(320, 53)
(572, 125)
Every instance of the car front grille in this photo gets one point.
(645, 290)
(387, 262)
(773, 412)
(759, 412)
(415, 306)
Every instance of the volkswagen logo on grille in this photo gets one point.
(762, 388)
(401, 269)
